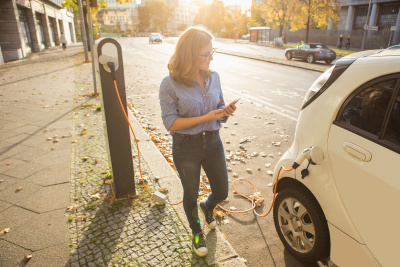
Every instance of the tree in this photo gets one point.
(256, 14)
(73, 5)
(279, 12)
(301, 14)
(155, 14)
(315, 12)
(214, 17)
(181, 27)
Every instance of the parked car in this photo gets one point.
(311, 53)
(246, 36)
(155, 37)
(394, 47)
(342, 198)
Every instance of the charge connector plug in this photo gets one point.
(159, 197)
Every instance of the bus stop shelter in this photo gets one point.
(260, 34)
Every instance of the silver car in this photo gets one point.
(155, 37)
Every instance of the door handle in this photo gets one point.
(357, 152)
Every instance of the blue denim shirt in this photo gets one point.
(178, 100)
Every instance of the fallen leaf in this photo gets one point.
(1, 181)
(5, 230)
(27, 257)
(79, 218)
(19, 188)
(53, 148)
(109, 181)
(72, 208)
(8, 163)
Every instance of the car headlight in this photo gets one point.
(325, 80)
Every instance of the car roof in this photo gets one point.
(374, 53)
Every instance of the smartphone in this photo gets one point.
(235, 101)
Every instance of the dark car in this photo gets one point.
(155, 38)
(311, 53)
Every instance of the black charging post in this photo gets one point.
(109, 56)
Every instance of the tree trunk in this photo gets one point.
(308, 20)
(85, 18)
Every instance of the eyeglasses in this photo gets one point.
(207, 57)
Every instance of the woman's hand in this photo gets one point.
(215, 115)
(228, 110)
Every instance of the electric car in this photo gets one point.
(155, 37)
(311, 53)
(338, 193)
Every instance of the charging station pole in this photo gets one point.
(117, 128)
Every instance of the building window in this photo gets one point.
(388, 15)
(23, 20)
(53, 33)
(40, 27)
(360, 17)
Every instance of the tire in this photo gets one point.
(328, 61)
(310, 58)
(305, 235)
(288, 55)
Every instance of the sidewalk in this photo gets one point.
(56, 205)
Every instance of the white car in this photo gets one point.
(341, 200)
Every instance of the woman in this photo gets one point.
(192, 109)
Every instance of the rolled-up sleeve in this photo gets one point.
(221, 103)
(169, 107)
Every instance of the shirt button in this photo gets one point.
(206, 108)
(204, 95)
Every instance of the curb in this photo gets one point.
(220, 250)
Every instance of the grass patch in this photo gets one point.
(98, 108)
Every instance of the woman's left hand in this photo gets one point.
(230, 109)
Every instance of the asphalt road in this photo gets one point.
(264, 123)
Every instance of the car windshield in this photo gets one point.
(156, 35)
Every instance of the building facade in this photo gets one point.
(122, 17)
(28, 26)
(183, 15)
(384, 15)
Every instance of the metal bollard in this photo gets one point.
(116, 127)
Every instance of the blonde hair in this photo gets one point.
(183, 64)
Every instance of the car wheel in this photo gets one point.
(328, 61)
(310, 58)
(288, 55)
(301, 225)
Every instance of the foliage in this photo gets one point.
(256, 15)
(154, 15)
(279, 12)
(181, 27)
(300, 14)
(215, 18)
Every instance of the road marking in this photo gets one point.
(300, 89)
(257, 78)
(280, 84)
(267, 81)
(233, 71)
(141, 53)
(291, 107)
(271, 107)
(243, 74)
(266, 98)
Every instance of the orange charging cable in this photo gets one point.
(204, 185)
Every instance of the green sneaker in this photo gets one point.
(199, 245)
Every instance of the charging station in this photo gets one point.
(108, 51)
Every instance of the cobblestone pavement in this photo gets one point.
(105, 232)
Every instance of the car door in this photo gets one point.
(364, 152)
(303, 51)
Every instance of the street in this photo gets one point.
(260, 131)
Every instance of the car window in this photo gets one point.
(392, 132)
(313, 46)
(368, 108)
(305, 47)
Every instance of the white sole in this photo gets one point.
(199, 253)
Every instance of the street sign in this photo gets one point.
(370, 27)
(393, 28)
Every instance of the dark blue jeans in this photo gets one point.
(190, 153)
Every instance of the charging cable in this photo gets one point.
(159, 195)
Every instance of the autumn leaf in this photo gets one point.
(109, 181)
(19, 188)
(27, 257)
(5, 230)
